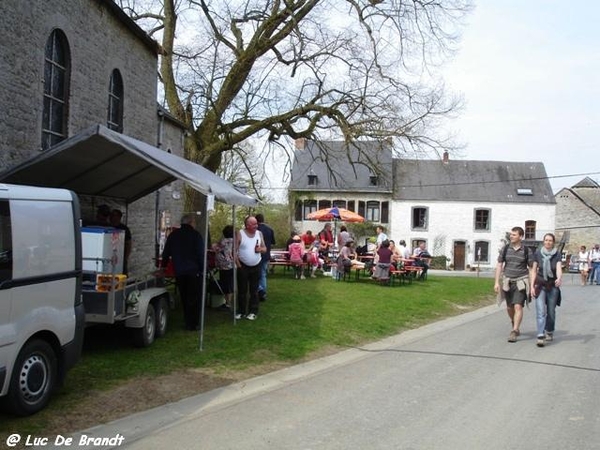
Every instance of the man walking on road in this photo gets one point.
(513, 265)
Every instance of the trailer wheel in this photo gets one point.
(144, 336)
(33, 380)
(162, 314)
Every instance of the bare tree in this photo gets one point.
(316, 69)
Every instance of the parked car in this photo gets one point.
(573, 264)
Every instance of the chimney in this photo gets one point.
(445, 157)
(300, 143)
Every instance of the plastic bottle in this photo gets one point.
(334, 272)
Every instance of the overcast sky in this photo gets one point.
(529, 71)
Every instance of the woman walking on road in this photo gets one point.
(547, 269)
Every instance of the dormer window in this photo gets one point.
(312, 180)
(374, 180)
(524, 191)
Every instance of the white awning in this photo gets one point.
(101, 162)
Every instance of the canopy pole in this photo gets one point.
(204, 282)
(235, 286)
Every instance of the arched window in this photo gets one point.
(115, 102)
(57, 69)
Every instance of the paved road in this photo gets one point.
(455, 384)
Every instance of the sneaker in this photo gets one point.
(512, 337)
(549, 336)
(251, 316)
(239, 316)
(302, 277)
(223, 307)
(313, 276)
(540, 341)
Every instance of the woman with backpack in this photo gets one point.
(547, 267)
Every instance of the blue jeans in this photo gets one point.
(262, 281)
(545, 310)
(595, 272)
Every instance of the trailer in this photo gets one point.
(97, 162)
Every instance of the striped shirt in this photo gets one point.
(516, 263)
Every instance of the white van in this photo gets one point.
(41, 310)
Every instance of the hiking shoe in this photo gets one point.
(512, 337)
(540, 341)
(251, 316)
(239, 316)
(549, 336)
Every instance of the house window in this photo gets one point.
(309, 206)
(115, 102)
(373, 211)
(385, 212)
(56, 89)
(340, 203)
(324, 204)
(351, 205)
(524, 191)
(482, 219)
(361, 208)
(482, 251)
(312, 180)
(530, 229)
(298, 206)
(419, 218)
(373, 180)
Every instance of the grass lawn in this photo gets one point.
(300, 319)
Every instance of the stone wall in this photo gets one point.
(99, 42)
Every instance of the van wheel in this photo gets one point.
(162, 314)
(144, 336)
(33, 380)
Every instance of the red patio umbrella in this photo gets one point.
(335, 213)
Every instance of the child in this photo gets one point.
(296, 250)
(313, 259)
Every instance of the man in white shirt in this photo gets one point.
(404, 250)
(381, 236)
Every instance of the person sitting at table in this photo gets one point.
(308, 238)
(347, 258)
(296, 251)
(313, 259)
(404, 249)
(383, 261)
(343, 236)
(326, 237)
(422, 258)
(396, 254)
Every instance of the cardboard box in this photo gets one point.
(105, 282)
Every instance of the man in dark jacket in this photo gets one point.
(186, 248)
(269, 238)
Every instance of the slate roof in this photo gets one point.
(344, 167)
(130, 24)
(587, 182)
(589, 192)
(467, 180)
